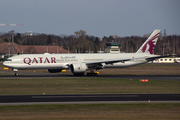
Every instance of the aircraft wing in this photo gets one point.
(108, 61)
(157, 57)
(123, 60)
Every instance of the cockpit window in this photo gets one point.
(9, 60)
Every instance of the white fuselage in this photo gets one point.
(61, 61)
(80, 63)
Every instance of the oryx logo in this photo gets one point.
(151, 44)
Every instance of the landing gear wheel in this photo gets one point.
(95, 74)
(92, 74)
(16, 74)
(79, 74)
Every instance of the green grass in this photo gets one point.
(85, 85)
(144, 111)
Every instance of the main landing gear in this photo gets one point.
(92, 73)
(16, 72)
(79, 74)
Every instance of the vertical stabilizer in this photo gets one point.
(150, 43)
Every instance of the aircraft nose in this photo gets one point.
(5, 63)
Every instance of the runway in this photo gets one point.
(26, 74)
(48, 76)
(87, 98)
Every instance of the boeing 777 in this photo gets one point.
(80, 63)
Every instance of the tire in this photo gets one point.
(16, 74)
(79, 74)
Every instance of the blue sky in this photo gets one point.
(97, 17)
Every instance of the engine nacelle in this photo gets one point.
(78, 68)
(54, 70)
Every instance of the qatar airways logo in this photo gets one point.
(30, 61)
(151, 44)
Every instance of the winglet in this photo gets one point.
(150, 43)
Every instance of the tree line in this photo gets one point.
(81, 42)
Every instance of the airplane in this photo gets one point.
(80, 63)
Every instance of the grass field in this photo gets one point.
(144, 111)
(85, 85)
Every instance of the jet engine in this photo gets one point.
(78, 68)
(54, 70)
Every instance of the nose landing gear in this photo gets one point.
(16, 72)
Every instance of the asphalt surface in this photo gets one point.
(47, 76)
(24, 74)
(88, 98)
